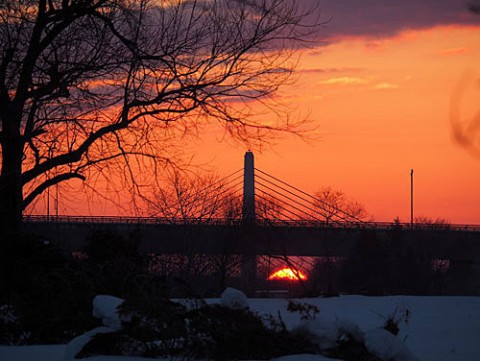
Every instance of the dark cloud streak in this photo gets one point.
(381, 18)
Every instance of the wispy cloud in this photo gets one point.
(328, 70)
(344, 80)
(386, 86)
(454, 51)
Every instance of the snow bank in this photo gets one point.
(387, 346)
(106, 308)
(326, 334)
(305, 357)
(234, 299)
(75, 346)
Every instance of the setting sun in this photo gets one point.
(287, 274)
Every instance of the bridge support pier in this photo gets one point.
(249, 261)
(248, 209)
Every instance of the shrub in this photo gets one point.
(48, 292)
(393, 321)
(108, 246)
(208, 331)
(306, 311)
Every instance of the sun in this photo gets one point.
(287, 274)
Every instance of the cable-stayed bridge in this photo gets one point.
(253, 212)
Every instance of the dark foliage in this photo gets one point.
(158, 324)
(205, 332)
(306, 311)
(367, 270)
(116, 267)
(393, 321)
(220, 333)
(11, 332)
(49, 294)
(108, 246)
(112, 343)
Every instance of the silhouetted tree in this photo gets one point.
(335, 205)
(188, 198)
(367, 270)
(92, 87)
(438, 223)
(193, 199)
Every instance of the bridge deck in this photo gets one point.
(238, 222)
(218, 236)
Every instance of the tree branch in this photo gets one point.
(48, 183)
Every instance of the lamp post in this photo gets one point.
(411, 198)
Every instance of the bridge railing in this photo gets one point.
(239, 222)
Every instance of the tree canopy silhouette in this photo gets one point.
(85, 84)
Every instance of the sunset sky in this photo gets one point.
(380, 90)
(391, 86)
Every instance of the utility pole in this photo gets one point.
(48, 204)
(56, 201)
(411, 198)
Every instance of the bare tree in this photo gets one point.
(91, 87)
(431, 223)
(192, 199)
(335, 205)
(189, 197)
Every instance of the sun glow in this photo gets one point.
(287, 274)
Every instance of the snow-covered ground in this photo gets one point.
(438, 329)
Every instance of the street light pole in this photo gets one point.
(411, 198)
(48, 204)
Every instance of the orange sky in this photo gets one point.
(380, 101)
(382, 108)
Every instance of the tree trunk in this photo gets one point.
(11, 197)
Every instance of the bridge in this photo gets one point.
(276, 218)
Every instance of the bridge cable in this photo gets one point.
(293, 200)
(281, 213)
(309, 195)
(307, 206)
(305, 200)
(300, 218)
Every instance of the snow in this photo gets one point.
(234, 299)
(304, 357)
(326, 333)
(439, 329)
(388, 347)
(75, 346)
(105, 307)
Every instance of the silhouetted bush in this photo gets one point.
(116, 267)
(48, 292)
(108, 246)
(203, 332)
(367, 270)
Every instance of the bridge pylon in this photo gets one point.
(249, 260)
(248, 209)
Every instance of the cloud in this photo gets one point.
(328, 70)
(386, 86)
(344, 80)
(454, 51)
(383, 18)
